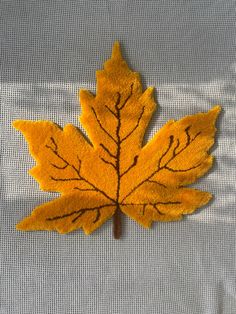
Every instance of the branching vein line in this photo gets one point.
(165, 166)
(108, 162)
(130, 167)
(156, 182)
(77, 171)
(101, 126)
(112, 112)
(80, 212)
(108, 151)
(126, 100)
(135, 127)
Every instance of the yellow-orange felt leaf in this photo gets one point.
(87, 210)
(114, 173)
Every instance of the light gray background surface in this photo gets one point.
(187, 50)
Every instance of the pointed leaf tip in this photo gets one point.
(217, 108)
(17, 124)
(116, 51)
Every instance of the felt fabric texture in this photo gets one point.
(115, 173)
(49, 51)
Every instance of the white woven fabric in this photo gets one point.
(187, 50)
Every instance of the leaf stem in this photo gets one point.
(117, 223)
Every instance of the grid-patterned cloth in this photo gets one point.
(187, 50)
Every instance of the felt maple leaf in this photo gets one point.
(114, 174)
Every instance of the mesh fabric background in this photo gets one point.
(187, 50)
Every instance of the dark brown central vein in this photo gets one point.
(116, 113)
(115, 163)
(117, 215)
(118, 140)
